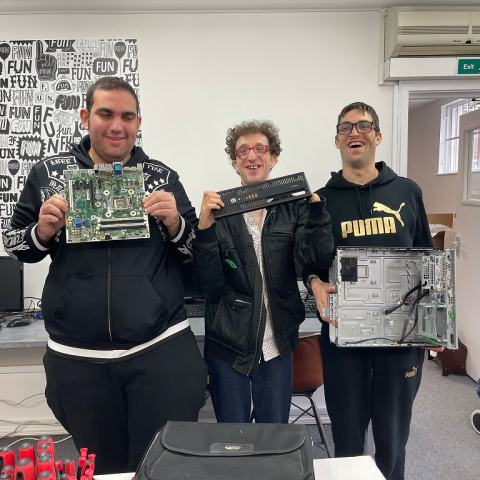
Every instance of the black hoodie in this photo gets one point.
(386, 212)
(104, 295)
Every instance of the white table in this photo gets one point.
(348, 468)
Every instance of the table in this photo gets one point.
(348, 468)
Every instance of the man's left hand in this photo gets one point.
(314, 198)
(162, 206)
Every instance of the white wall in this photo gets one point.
(439, 191)
(202, 73)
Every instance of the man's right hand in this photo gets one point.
(51, 218)
(211, 201)
(320, 291)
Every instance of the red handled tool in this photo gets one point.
(7, 457)
(26, 450)
(25, 469)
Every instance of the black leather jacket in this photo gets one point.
(229, 278)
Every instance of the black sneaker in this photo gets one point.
(476, 420)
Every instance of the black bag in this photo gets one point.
(233, 451)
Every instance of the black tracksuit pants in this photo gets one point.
(114, 408)
(371, 383)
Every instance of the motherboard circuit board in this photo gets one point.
(105, 203)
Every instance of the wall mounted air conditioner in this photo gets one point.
(427, 31)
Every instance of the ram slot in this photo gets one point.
(121, 226)
(92, 199)
(114, 223)
(70, 194)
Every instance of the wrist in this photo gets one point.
(308, 283)
(174, 227)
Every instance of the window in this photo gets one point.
(473, 166)
(451, 112)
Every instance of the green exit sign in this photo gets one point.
(468, 66)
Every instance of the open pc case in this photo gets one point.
(393, 297)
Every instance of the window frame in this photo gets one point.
(449, 133)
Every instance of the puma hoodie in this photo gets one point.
(386, 212)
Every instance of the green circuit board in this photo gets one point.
(105, 203)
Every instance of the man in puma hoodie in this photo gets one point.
(370, 205)
(121, 359)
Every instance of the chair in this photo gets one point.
(307, 377)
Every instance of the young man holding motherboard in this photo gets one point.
(369, 383)
(121, 359)
(244, 268)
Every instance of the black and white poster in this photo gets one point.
(43, 86)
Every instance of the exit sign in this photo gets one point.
(468, 66)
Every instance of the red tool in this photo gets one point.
(69, 467)
(46, 475)
(25, 469)
(26, 450)
(8, 469)
(7, 457)
(45, 463)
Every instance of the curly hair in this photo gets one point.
(249, 127)
(110, 83)
(365, 109)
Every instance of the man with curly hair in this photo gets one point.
(244, 268)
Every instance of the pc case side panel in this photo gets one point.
(376, 308)
(376, 305)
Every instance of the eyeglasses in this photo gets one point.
(244, 151)
(362, 127)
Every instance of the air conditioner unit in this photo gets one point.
(427, 31)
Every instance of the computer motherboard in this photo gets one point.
(105, 203)
(393, 297)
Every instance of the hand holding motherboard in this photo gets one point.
(51, 218)
(163, 207)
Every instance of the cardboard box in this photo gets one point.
(442, 227)
(447, 219)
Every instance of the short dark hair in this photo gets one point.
(364, 108)
(110, 83)
(249, 127)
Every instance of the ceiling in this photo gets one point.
(204, 6)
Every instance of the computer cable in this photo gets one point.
(411, 311)
(403, 302)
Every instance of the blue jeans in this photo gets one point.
(232, 393)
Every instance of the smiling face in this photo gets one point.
(113, 125)
(253, 167)
(357, 149)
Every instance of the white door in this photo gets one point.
(468, 233)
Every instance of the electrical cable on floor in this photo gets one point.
(12, 404)
(23, 424)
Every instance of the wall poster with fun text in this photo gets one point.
(43, 86)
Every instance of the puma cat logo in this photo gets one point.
(378, 207)
(412, 373)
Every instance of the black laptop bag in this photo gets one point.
(233, 451)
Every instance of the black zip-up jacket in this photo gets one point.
(108, 294)
(228, 277)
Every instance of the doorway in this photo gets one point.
(442, 193)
